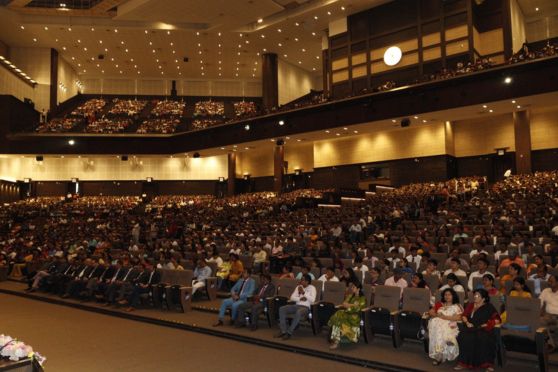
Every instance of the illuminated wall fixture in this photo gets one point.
(62, 87)
(79, 84)
(501, 151)
(4, 62)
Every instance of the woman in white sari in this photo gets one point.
(442, 328)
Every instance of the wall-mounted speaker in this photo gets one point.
(39, 158)
(405, 122)
(124, 158)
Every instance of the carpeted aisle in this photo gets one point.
(75, 340)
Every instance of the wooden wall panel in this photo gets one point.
(256, 162)
(300, 156)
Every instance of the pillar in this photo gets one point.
(522, 133)
(270, 86)
(53, 79)
(278, 168)
(231, 179)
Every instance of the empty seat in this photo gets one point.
(333, 295)
(285, 288)
(523, 332)
(379, 318)
(411, 320)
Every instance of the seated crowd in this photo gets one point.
(209, 108)
(168, 108)
(159, 125)
(468, 242)
(127, 107)
(58, 125)
(205, 123)
(245, 109)
(108, 125)
(89, 107)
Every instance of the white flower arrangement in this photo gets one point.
(15, 350)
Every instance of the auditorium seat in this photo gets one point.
(285, 288)
(333, 295)
(411, 320)
(379, 318)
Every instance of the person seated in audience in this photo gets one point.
(347, 276)
(414, 258)
(141, 285)
(201, 273)
(345, 323)
(482, 266)
(375, 277)
(514, 270)
(287, 273)
(242, 289)
(256, 304)
(538, 261)
(303, 297)
(488, 285)
(511, 259)
(443, 329)
(236, 270)
(519, 289)
(305, 270)
(215, 258)
(478, 249)
(432, 268)
(115, 287)
(417, 281)
(453, 283)
(397, 280)
(501, 250)
(476, 339)
(78, 283)
(259, 258)
(54, 267)
(541, 275)
(360, 268)
(455, 268)
(328, 276)
(549, 309)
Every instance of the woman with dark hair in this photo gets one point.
(345, 323)
(453, 283)
(519, 289)
(348, 276)
(477, 342)
(418, 281)
(514, 270)
(488, 285)
(442, 328)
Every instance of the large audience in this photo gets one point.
(209, 108)
(106, 125)
(463, 238)
(159, 125)
(127, 107)
(59, 125)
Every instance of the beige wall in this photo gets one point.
(424, 140)
(112, 168)
(542, 28)
(12, 85)
(4, 49)
(544, 129)
(294, 82)
(483, 136)
(155, 86)
(449, 137)
(35, 62)
(517, 25)
(257, 162)
(67, 76)
(300, 156)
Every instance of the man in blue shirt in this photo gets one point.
(243, 289)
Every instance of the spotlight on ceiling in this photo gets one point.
(281, 122)
(508, 80)
(71, 142)
(247, 127)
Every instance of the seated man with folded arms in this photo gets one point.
(141, 285)
(201, 273)
(243, 288)
(303, 296)
(257, 303)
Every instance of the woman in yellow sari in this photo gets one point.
(345, 323)
(519, 289)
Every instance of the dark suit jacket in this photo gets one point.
(268, 292)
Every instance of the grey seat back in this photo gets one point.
(387, 297)
(524, 312)
(285, 287)
(334, 292)
(416, 300)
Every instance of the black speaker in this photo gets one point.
(280, 142)
(39, 158)
(196, 155)
(405, 122)
(185, 59)
(124, 158)
(101, 56)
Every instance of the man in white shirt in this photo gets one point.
(414, 259)
(397, 280)
(328, 276)
(477, 249)
(304, 296)
(360, 269)
(455, 268)
(355, 231)
(549, 308)
(482, 265)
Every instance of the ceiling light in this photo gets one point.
(416, 117)
(246, 127)
(518, 106)
(299, 62)
(536, 9)
(315, 17)
(327, 131)
(304, 50)
(262, 36)
(241, 35)
(69, 29)
(46, 28)
(280, 44)
(219, 34)
(337, 134)
(260, 20)
(355, 131)
(296, 39)
(297, 24)
(342, 8)
(328, 13)
(490, 110)
(284, 55)
(197, 34)
(508, 80)
(313, 34)
(484, 106)
(35, 39)
(513, 101)
(345, 128)
(278, 30)
(281, 122)
(71, 142)
(116, 30)
(313, 68)
(22, 27)
(393, 121)
(146, 31)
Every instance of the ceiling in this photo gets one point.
(222, 39)
(534, 9)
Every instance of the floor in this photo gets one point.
(410, 355)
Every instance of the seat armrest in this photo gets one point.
(541, 330)
(395, 312)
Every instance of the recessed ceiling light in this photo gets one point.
(484, 106)
(22, 27)
(355, 131)
(416, 117)
(536, 9)
(518, 106)
(313, 34)
(328, 13)
(327, 131)
(297, 24)
(490, 110)
(284, 55)
(508, 80)
(393, 121)
(345, 128)
(513, 101)
(337, 134)
(342, 8)
(260, 20)
(46, 28)
(316, 17)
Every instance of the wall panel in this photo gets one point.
(293, 82)
(544, 129)
(483, 136)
